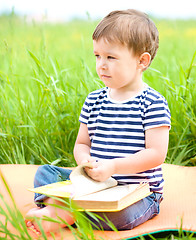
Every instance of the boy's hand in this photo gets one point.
(101, 170)
(87, 159)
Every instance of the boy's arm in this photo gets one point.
(82, 145)
(153, 155)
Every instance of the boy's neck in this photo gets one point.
(123, 94)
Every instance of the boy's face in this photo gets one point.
(116, 66)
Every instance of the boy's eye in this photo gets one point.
(110, 57)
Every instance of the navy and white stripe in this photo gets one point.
(117, 129)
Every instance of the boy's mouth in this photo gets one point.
(103, 76)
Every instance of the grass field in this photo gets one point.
(47, 70)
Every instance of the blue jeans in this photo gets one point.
(125, 219)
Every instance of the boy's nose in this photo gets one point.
(102, 64)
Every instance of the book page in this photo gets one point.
(111, 194)
(83, 184)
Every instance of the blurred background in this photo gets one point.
(59, 10)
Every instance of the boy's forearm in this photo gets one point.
(139, 162)
(81, 153)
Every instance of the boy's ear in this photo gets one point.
(144, 60)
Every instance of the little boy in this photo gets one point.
(124, 127)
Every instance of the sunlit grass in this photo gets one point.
(47, 70)
(13, 226)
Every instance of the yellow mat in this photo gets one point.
(178, 209)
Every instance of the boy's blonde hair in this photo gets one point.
(131, 28)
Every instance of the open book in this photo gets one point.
(95, 196)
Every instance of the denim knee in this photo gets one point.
(47, 174)
(149, 208)
(131, 216)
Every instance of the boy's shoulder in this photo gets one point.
(100, 93)
(149, 95)
(152, 95)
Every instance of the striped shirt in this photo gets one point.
(117, 129)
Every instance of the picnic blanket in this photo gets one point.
(177, 211)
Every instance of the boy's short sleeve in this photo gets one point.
(157, 114)
(84, 115)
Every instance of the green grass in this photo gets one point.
(42, 92)
(83, 226)
(12, 217)
(47, 70)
